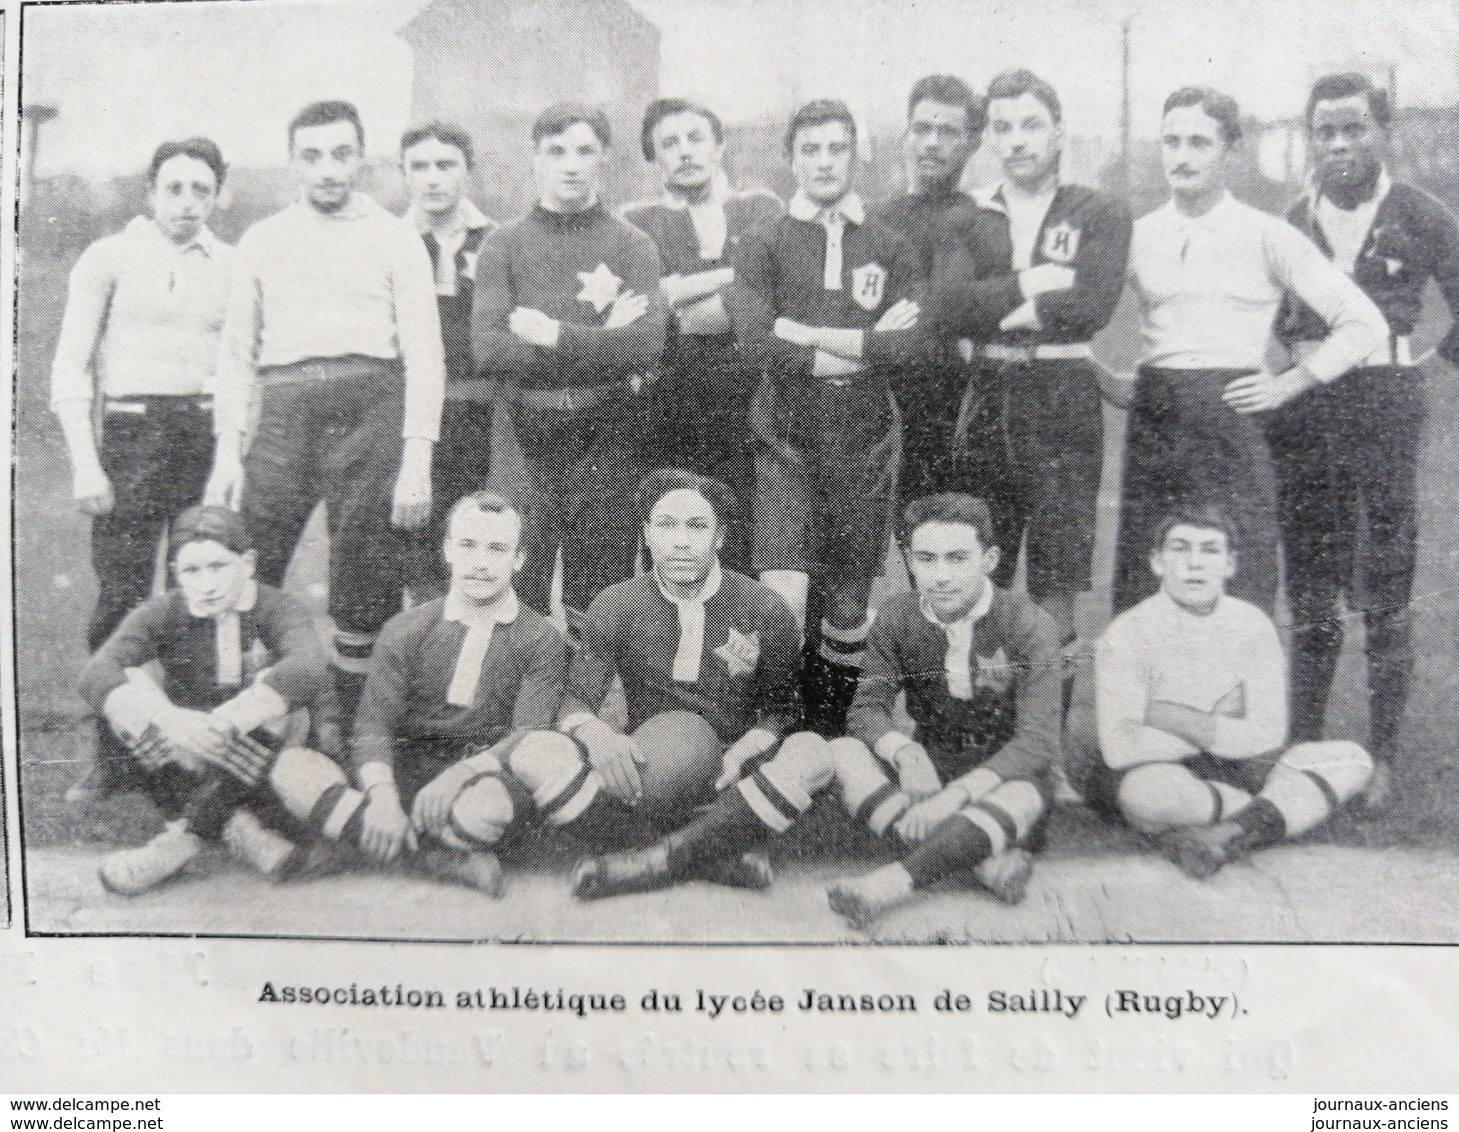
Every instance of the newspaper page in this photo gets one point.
(1060, 695)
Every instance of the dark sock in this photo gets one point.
(606, 822)
(212, 803)
(728, 828)
(954, 846)
(1263, 823)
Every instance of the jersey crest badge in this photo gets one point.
(1061, 243)
(868, 286)
(600, 287)
(740, 653)
(994, 672)
(468, 265)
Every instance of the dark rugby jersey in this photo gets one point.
(974, 286)
(749, 666)
(1011, 723)
(569, 266)
(1413, 237)
(406, 702)
(277, 639)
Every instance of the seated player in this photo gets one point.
(462, 691)
(1191, 703)
(238, 660)
(980, 667)
(709, 660)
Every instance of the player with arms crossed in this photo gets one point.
(699, 408)
(945, 121)
(140, 335)
(1030, 275)
(1347, 452)
(980, 668)
(436, 160)
(1210, 274)
(238, 659)
(333, 337)
(824, 303)
(567, 317)
(1191, 703)
(710, 665)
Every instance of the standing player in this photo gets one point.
(1210, 274)
(699, 410)
(1192, 714)
(945, 121)
(237, 658)
(1032, 274)
(140, 336)
(980, 670)
(333, 338)
(436, 160)
(568, 318)
(688, 637)
(1347, 453)
(823, 303)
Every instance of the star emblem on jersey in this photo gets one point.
(994, 672)
(1061, 243)
(740, 653)
(600, 287)
(468, 265)
(868, 285)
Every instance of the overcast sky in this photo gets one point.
(124, 75)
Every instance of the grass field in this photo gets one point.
(55, 590)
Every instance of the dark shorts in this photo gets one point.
(1100, 784)
(825, 466)
(1055, 435)
(418, 763)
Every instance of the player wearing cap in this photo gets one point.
(824, 302)
(699, 409)
(137, 349)
(333, 337)
(1210, 274)
(1192, 714)
(436, 160)
(979, 667)
(238, 659)
(568, 318)
(1347, 452)
(1029, 275)
(945, 121)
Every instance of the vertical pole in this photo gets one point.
(1126, 158)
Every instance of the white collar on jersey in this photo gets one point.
(803, 208)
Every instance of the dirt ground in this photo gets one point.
(1355, 881)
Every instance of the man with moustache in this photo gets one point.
(945, 121)
(569, 321)
(1347, 453)
(1029, 275)
(1210, 274)
(137, 350)
(330, 377)
(824, 302)
(699, 410)
(436, 160)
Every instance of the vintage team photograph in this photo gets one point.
(723, 471)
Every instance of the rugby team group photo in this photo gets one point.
(672, 544)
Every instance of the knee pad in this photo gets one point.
(1019, 801)
(1342, 766)
(1160, 796)
(547, 764)
(480, 815)
(314, 789)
